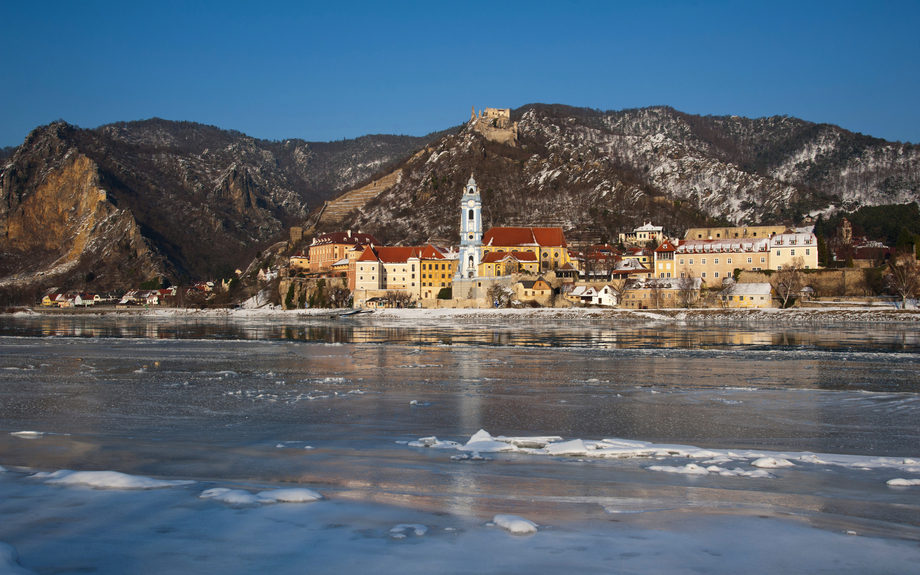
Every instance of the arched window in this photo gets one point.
(471, 215)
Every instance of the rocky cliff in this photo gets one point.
(130, 201)
(58, 220)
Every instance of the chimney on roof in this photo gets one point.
(349, 233)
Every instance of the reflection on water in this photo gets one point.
(199, 399)
(541, 333)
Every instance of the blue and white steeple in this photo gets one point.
(470, 230)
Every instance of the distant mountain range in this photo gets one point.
(119, 204)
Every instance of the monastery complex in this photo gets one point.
(536, 265)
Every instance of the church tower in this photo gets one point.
(470, 231)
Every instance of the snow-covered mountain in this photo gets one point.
(598, 173)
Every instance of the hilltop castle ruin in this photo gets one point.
(495, 124)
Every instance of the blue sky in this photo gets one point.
(340, 70)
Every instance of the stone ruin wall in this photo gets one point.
(495, 124)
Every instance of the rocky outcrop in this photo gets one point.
(59, 220)
(128, 201)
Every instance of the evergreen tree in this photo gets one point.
(905, 241)
(823, 259)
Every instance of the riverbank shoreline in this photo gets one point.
(794, 315)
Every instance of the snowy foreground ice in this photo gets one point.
(111, 522)
(457, 449)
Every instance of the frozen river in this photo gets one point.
(642, 446)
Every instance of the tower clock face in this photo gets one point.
(471, 203)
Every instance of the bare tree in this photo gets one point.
(499, 295)
(685, 289)
(789, 281)
(590, 264)
(610, 265)
(338, 295)
(654, 287)
(904, 276)
(395, 298)
(725, 295)
(619, 285)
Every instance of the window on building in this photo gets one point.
(715, 261)
(691, 261)
(763, 260)
(791, 252)
(716, 274)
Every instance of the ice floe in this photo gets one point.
(515, 524)
(243, 497)
(405, 528)
(106, 480)
(475, 456)
(903, 482)
(28, 434)
(771, 463)
(716, 459)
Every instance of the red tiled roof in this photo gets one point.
(493, 257)
(431, 253)
(398, 254)
(393, 255)
(550, 236)
(368, 255)
(543, 237)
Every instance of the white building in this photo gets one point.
(643, 234)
